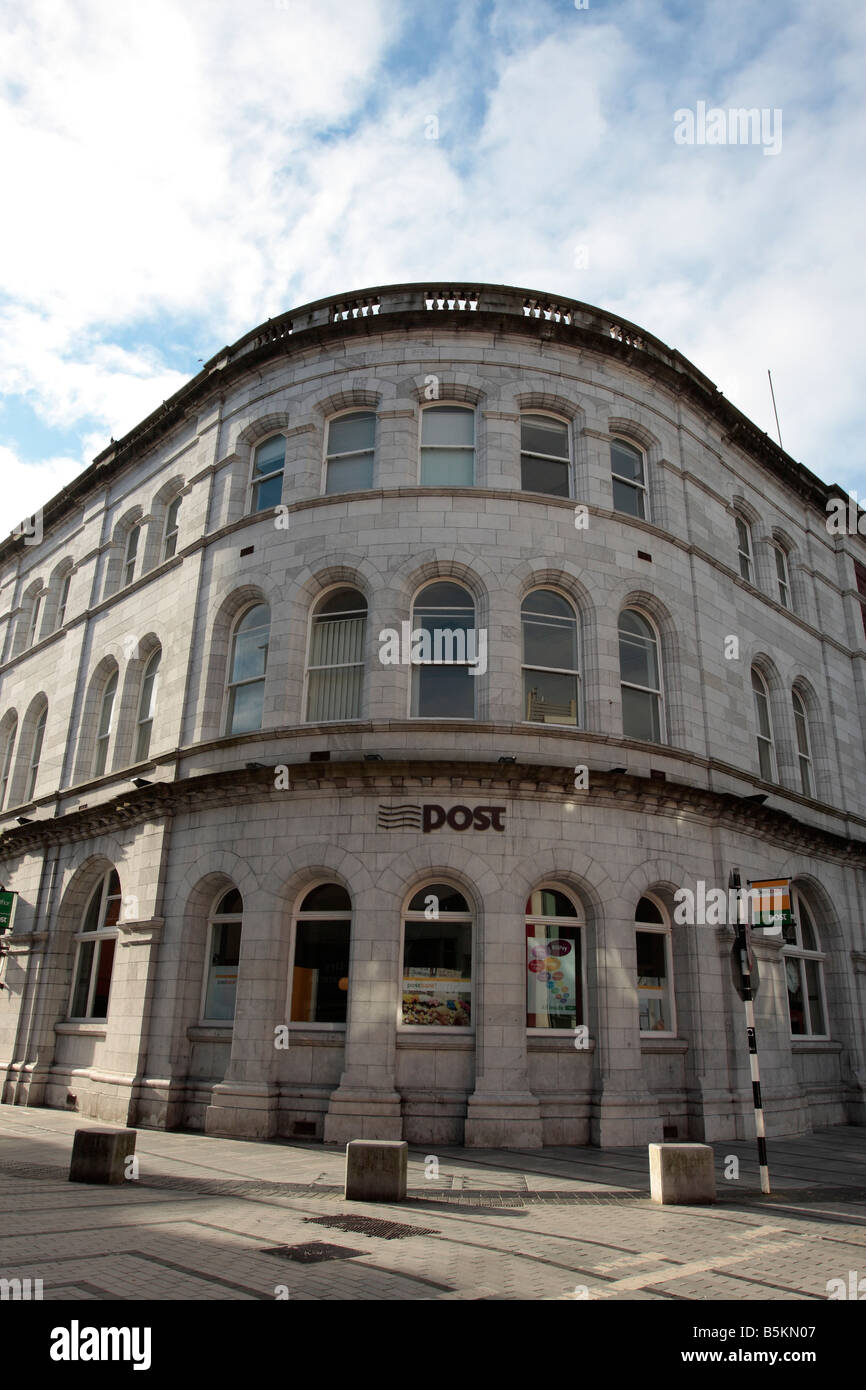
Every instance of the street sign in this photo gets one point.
(736, 968)
(7, 909)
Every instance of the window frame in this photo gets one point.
(770, 738)
(131, 560)
(215, 919)
(8, 760)
(102, 741)
(35, 756)
(801, 723)
(578, 924)
(308, 667)
(63, 600)
(33, 619)
(155, 656)
(801, 954)
(463, 1030)
(568, 461)
(255, 482)
(552, 670)
(171, 532)
(641, 489)
(745, 555)
(470, 448)
(332, 915)
(665, 929)
(783, 577)
(351, 453)
(229, 686)
(99, 934)
(415, 669)
(660, 693)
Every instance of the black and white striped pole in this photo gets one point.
(743, 969)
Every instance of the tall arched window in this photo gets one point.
(63, 599)
(447, 446)
(6, 755)
(335, 673)
(95, 945)
(36, 754)
(33, 618)
(628, 476)
(320, 974)
(223, 954)
(640, 677)
(764, 727)
(269, 460)
(147, 707)
(783, 577)
(551, 665)
(744, 547)
(804, 971)
(443, 686)
(544, 456)
(172, 526)
(247, 667)
(437, 959)
(804, 746)
(104, 726)
(349, 452)
(554, 959)
(131, 555)
(654, 970)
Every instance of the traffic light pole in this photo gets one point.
(748, 1000)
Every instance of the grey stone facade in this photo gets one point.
(213, 814)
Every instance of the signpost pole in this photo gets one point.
(746, 976)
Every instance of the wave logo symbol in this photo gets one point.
(405, 817)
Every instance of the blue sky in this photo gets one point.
(175, 173)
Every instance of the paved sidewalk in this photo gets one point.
(229, 1219)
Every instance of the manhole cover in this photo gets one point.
(313, 1253)
(370, 1226)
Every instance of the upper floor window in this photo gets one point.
(320, 974)
(766, 760)
(554, 960)
(447, 446)
(349, 454)
(804, 747)
(443, 682)
(169, 541)
(744, 548)
(629, 479)
(247, 667)
(223, 955)
(551, 679)
(804, 972)
(860, 579)
(94, 961)
(437, 959)
(640, 678)
(269, 460)
(147, 707)
(335, 673)
(6, 764)
(544, 457)
(654, 970)
(131, 554)
(106, 719)
(33, 620)
(36, 754)
(782, 576)
(63, 599)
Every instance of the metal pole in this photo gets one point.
(775, 411)
(746, 975)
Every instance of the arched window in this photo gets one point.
(640, 677)
(804, 972)
(147, 707)
(447, 446)
(804, 746)
(544, 458)
(33, 619)
(223, 953)
(349, 452)
(783, 578)
(335, 673)
(104, 726)
(131, 555)
(628, 474)
(247, 667)
(654, 970)
(269, 460)
(443, 685)
(8, 750)
(554, 959)
(551, 678)
(744, 547)
(63, 599)
(36, 754)
(94, 957)
(764, 728)
(437, 959)
(320, 976)
(172, 526)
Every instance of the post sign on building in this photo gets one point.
(773, 909)
(7, 909)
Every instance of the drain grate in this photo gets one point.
(313, 1253)
(370, 1226)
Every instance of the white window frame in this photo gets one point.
(215, 919)
(577, 923)
(459, 1030)
(100, 934)
(801, 954)
(552, 670)
(102, 742)
(331, 915)
(660, 693)
(8, 755)
(783, 576)
(415, 680)
(664, 929)
(143, 718)
(642, 489)
(568, 462)
(170, 532)
(130, 560)
(33, 619)
(36, 744)
(254, 481)
(321, 598)
(469, 448)
(770, 738)
(231, 685)
(801, 725)
(745, 554)
(351, 453)
(63, 599)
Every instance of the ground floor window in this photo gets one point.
(554, 966)
(320, 976)
(224, 950)
(654, 974)
(94, 956)
(804, 972)
(437, 959)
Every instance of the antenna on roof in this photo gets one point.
(775, 411)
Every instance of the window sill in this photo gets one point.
(210, 1032)
(648, 1043)
(421, 1035)
(83, 1028)
(555, 1040)
(808, 1044)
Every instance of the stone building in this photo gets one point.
(365, 711)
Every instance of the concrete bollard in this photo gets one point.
(99, 1155)
(376, 1170)
(682, 1173)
